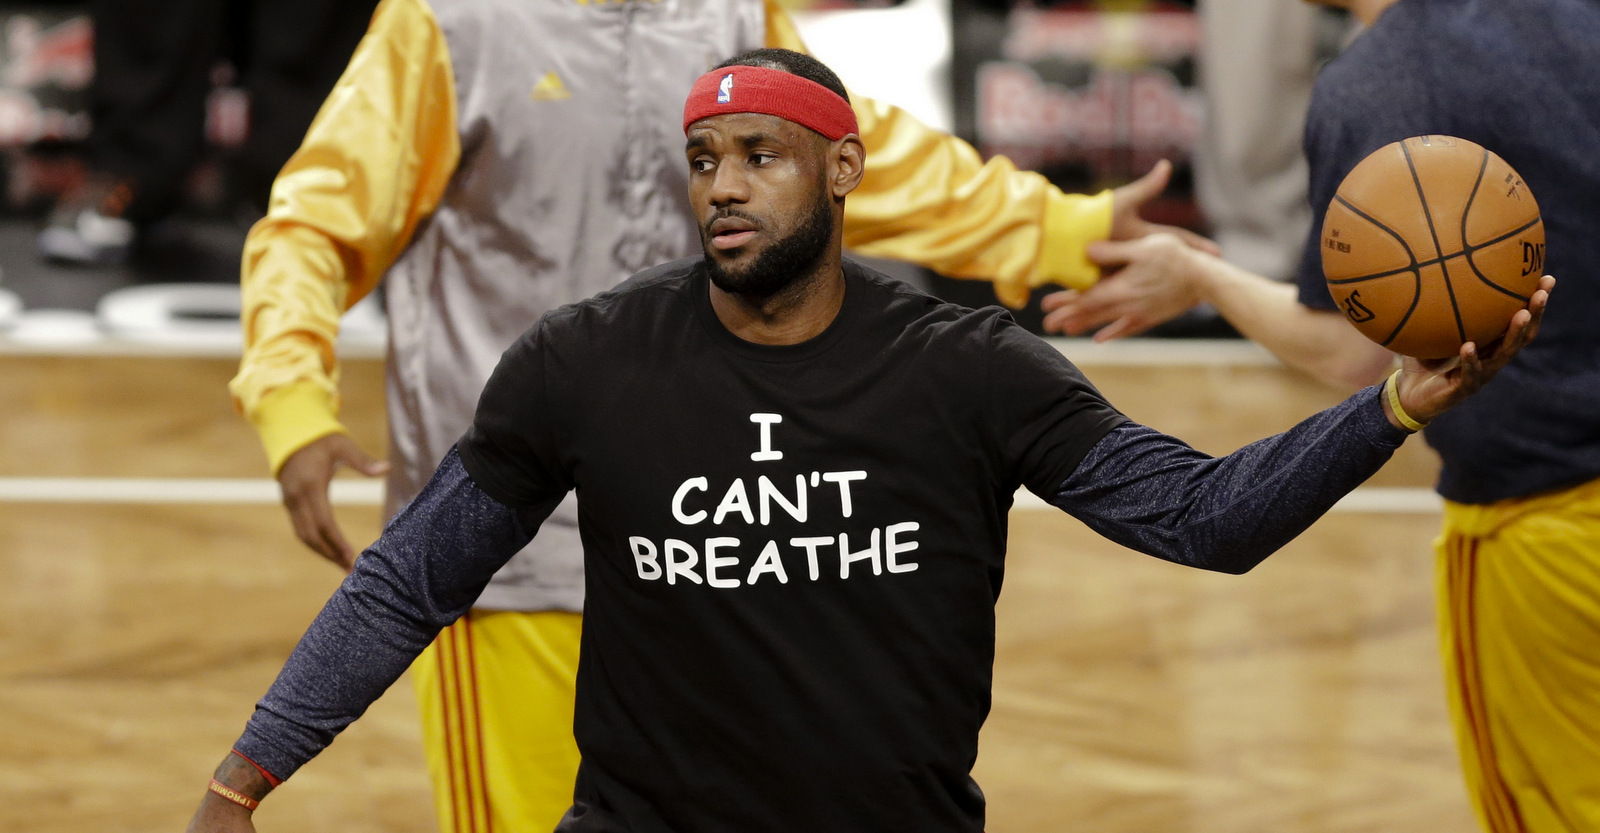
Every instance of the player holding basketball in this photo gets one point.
(793, 477)
(491, 160)
(1519, 557)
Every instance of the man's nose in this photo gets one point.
(729, 185)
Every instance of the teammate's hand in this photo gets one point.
(304, 479)
(1428, 388)
(1126, 224)
(1155, 279)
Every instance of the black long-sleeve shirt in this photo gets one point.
(1138, 487)
(792, 552)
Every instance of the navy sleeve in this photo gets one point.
(1153, 493)
(426, 570)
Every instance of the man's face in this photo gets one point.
(758, 187)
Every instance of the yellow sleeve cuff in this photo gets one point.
(291, 417)
(1071, 223)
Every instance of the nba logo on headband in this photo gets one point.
(772, 92)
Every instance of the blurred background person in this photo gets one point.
(1518, 559)
(154, 70)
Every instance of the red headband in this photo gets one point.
(740, 89)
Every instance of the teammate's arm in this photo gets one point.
(1157, 495)
(929, 198)
(373, 164)
(1157, 278)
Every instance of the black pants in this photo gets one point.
(153, 64)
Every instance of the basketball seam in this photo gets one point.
(1467, 248)
(1444, 270)
(1468, 252)
(1414, 269)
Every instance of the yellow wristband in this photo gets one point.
(1392, 389)
(233, 795)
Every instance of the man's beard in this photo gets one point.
(780, 264)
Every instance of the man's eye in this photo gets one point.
(700, 166)
(759, 159)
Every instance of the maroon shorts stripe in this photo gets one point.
(477, 727)
(444, 652)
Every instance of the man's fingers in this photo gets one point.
(1521, 332)
(1122, 327)
(1538, 303)
(1084, 311)
(1071, 320)
(1145, 188)
(1057, 300)
(344, 451)
(351, 455)
(1193, 240)
(1525, 324)
(1111, 253)
(334, 542)
(330, 543)
(1062, 321)
(1473, 374)
(312, 517)
(305, 528)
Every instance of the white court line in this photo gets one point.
(1149, 352)
(167, 490)
(1368, 500)
(148, 490)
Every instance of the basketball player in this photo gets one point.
(793, 477)
(491, 160)
(1519, 557)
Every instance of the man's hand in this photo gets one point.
(219, 815)
(1150, 277)
(1429, 388)
(304, 479)
(1126, 224)
(1152, 280)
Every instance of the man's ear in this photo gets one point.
(846, 165)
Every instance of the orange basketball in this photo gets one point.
(1430, 243)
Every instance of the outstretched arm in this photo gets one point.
(430, 565)
(1155, 494)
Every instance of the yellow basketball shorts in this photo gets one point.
(1519, 615)
(496, 693)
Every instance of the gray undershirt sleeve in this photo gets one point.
(432, 562)
(1153, 493)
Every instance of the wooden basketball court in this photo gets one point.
(150, 588)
